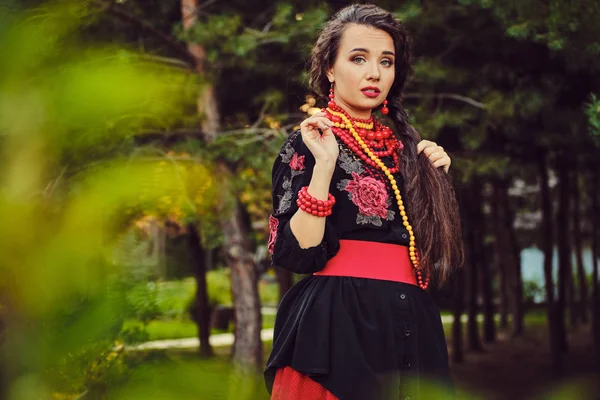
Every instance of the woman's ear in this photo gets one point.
(329, 73)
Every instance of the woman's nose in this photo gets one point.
(373, 73)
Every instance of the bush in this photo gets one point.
(219, 287)
(532, 291)
(268, 292)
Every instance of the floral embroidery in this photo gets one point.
(285, 200)
(287, 153)
(368, 194)
(371, 197)
(349, 163)
(273, 225)
(297, 162)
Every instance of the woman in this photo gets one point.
(353, 201)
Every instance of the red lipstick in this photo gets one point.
(370, 91)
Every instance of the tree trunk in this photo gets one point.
(247, 347)
(504, 301)
(159, 248)
(595, 254)
(473, 339)
(513, 260)
(581, 278)
(564, 256)
(571, 295)
(285, 279)
(547, 244)
(201, 309)
(206, 101)
(459, 301)
(489, 325)
(459, 280)
(472, 324)
(500, 249)
(489, 322)
(517, 286)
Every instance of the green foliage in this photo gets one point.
(183, 376)
(519, 31)
(73, 177)
(231, 42)
(142, 301)
(269, 293)
(532, 292)
(431, 71)
(565, 25)
(410, 10)
(592, 110)
(66, 114)
(79, 350)
(219, 287)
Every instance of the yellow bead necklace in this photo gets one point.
(412, 245)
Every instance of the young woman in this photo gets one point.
(369, 212)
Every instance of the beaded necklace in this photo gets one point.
(358, 135)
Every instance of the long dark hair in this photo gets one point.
(430, 200)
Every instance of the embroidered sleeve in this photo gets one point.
(291, 171)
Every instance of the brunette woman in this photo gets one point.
(368, 211)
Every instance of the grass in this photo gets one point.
(168, 302)
(181, 374)
(173, 297)
(185, 328)
(162, 329)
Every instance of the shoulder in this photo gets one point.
(294, 144)
(294, 140)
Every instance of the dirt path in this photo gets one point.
(520, 369)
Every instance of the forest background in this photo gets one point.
(136, 145)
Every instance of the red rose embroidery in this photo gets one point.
(297, 162)
(273, 225)
(369, 194)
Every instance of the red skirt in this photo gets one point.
(290, 384)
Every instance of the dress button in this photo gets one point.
(402, 296)
(404, 236)
(407, 332)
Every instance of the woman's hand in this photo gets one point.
(435, 154)
(323, 147)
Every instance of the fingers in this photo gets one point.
(444, 162)
(317, 121)
(430, 149)
(423, 144)
(435, 154)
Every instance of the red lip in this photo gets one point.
(374, 94)
(371, 88)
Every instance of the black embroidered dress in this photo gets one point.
(359, 338)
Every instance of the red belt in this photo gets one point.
(361, 259)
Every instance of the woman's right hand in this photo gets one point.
(323, 147)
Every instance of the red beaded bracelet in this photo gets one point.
(316, 207)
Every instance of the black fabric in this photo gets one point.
(359, 338)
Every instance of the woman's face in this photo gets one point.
(364, 70)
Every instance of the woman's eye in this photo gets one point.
(358, 60)
(387, 63)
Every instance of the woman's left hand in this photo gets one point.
(435, 154)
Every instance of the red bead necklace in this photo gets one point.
(379, 138)
(353, 132)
